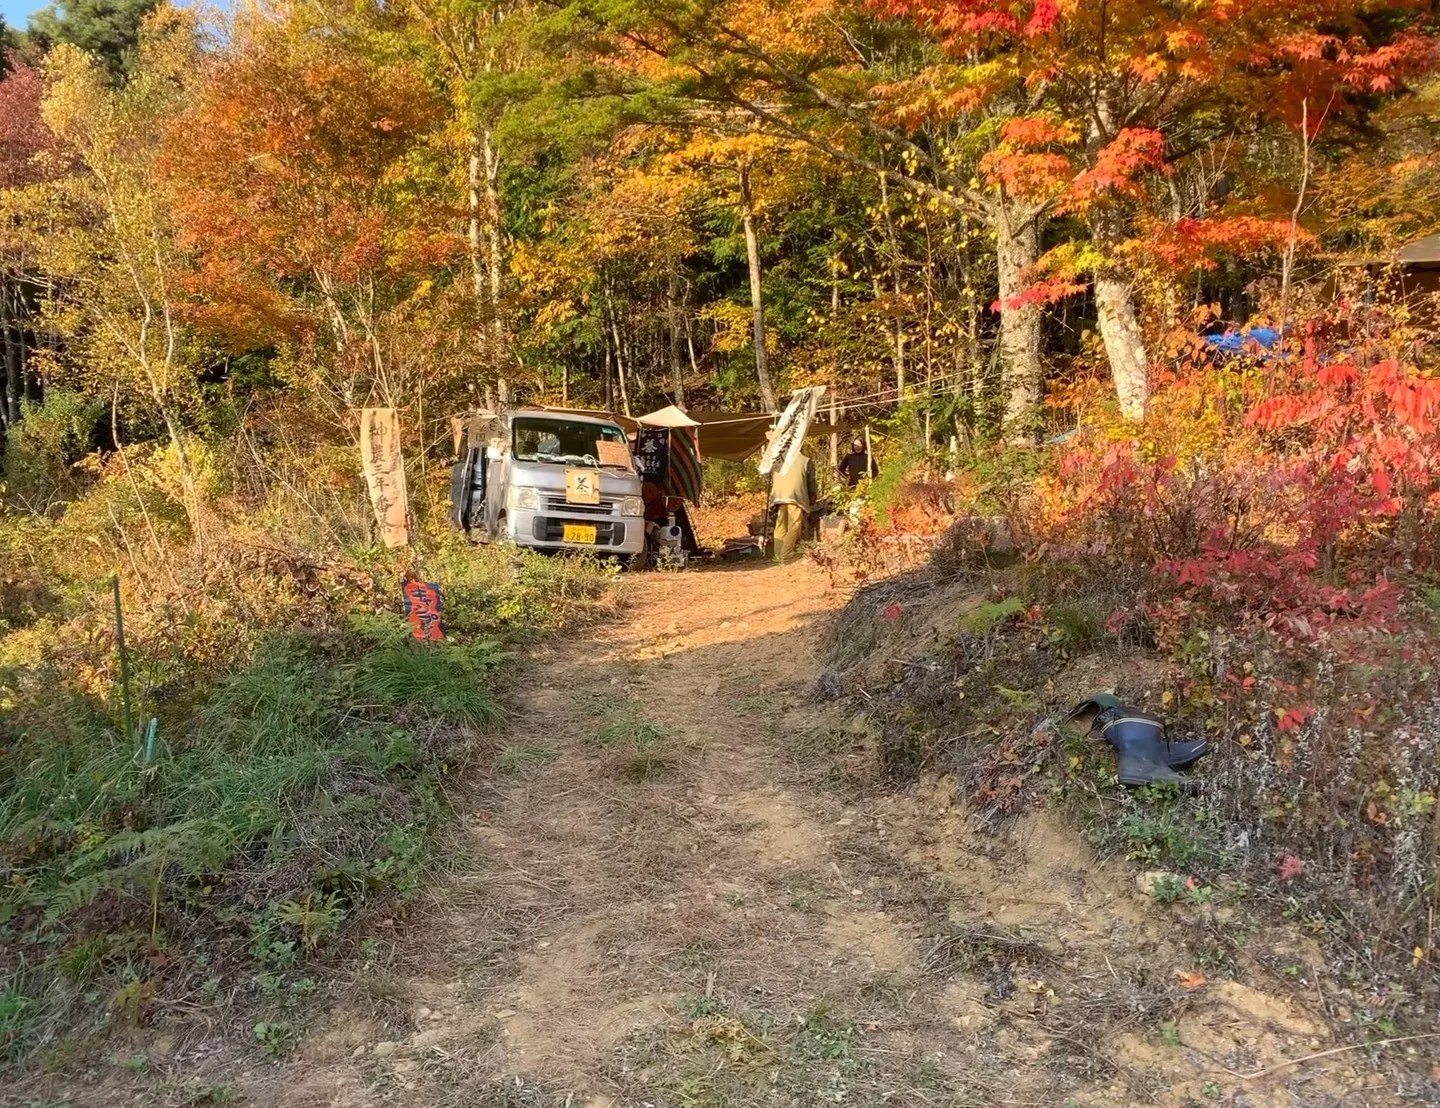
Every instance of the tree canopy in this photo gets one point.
(960, 205)
(108, 29)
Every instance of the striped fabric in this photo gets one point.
(684, 476)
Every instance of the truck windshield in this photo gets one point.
(563, 441)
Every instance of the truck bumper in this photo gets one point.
(545, 530)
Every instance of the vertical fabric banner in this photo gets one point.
(652, 454)
(385, 473)
(685, 478)
(422, 609)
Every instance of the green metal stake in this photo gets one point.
(124, 659)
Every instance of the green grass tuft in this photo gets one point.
(15, 1011)
(1079, 625)
(986, 617)
(438, 680)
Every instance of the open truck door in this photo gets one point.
(467, 490)
(472, 478)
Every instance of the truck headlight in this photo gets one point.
(524, 498)
(632, 506)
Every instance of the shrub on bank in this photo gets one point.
(1271, 530)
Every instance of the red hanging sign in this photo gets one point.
(422, 609)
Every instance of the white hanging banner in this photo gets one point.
(788, 435)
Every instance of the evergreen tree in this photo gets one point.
(109, 29)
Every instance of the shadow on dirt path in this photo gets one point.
(684, 889)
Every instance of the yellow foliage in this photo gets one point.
(732, 322)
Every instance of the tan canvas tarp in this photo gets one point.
(737, 437)
(668, 416)
(733, 436)
(1424, 251)
(385, 473)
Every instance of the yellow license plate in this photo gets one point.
(580, 532)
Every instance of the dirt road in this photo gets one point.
(683, 887)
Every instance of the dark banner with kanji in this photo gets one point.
(652, 454)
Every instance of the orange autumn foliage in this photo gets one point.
(289, 174)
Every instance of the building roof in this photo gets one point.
(1424, 251)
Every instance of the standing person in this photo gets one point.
(857, 464)
(793, 494)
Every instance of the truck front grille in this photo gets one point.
(606, 507)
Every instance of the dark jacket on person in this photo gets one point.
(855, 466)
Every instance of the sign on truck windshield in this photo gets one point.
(562, 441)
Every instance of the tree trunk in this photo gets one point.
(834, 438)
(834, 383)
(494, 282)
(1119, 321)
(1017, 248)
(472, 203)
(609, 387)
(672, 307)
(619, 358)
(476, 244)
(690, 339)
(893, 249)
(1124, 344)
(757, 303)
(13, 371)
(967, 360)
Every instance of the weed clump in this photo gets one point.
(637, 749)
(442, 680)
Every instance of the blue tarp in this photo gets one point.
(1244, 341)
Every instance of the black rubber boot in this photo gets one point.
(1146, 754)
(1100, 709)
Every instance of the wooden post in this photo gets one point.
(124, 660)
(834, 436)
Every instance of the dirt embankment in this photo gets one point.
(689, 886)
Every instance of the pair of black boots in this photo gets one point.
(1147, 755)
